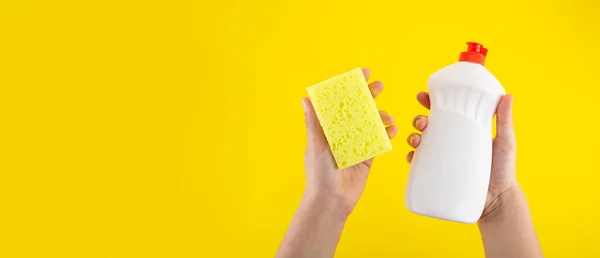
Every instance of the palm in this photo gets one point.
(351, 182)
(346, 185)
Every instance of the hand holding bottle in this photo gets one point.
(503, 179)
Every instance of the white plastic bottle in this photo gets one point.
(450, 170)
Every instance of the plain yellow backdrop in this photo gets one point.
(175, 128)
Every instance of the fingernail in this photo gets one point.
(417, 123)
(304, 105)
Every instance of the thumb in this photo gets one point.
(316, 138)
(505, 133)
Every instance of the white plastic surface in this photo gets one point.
(450, 170)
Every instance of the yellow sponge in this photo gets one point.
(349, 118)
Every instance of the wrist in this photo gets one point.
(317, 204)
(500, 204)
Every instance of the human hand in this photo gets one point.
(324, 182)
(503, 178)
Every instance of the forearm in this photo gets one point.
(314, 231)
(507, 229)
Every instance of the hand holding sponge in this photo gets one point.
(349, 118)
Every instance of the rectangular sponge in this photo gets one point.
(349, 118)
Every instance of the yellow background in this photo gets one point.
(175, 128)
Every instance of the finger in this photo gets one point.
(376, 88)
(410, 156)
(420, 122)
(413, 140)
(423, 98)
(391, 131)
(366, 73)
(505, 133)
(316, 138)
(386, 118)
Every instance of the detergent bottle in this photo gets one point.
(450, 171)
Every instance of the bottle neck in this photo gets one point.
(472, 57)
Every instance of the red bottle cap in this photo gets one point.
(475, 53)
